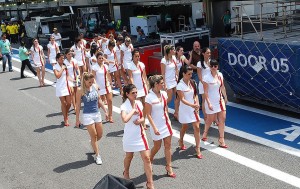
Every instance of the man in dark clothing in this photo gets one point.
(195, 55)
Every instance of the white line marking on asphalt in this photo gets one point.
(262, 168)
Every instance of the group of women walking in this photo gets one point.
(109, 59)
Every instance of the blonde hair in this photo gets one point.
(155, 79)
(85, 76)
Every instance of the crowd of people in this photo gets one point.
(88, 75)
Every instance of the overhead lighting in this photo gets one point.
(32, 2)
(43, 1)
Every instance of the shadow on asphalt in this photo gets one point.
(28, 88)
(16, 78)
(116, 134)
(76, 164)
(54, 114)
(50, 127)
(142, 178)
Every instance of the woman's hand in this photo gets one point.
(210, 107)
(138, 121)
(156, 131)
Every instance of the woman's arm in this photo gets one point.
(148, 109)
(223, 90)
(59, 73)
(130, 77)
(184, 101)
(145, 79)
(199, 73)
(163, 73)
(205, 87)
(48, 53)
(126, 117)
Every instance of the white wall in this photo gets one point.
(197, 9)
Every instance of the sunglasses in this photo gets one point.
(213, 66)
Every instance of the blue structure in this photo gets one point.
(263, 72)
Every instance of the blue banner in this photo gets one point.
(264, 72)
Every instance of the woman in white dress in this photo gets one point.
(126, 55)
(156, 109)
(121, 70)
(188, 107)
(134, 138)
(103, 80)
(203, 68)
(63, 90)
(53, 49)
(180, 61)
(74, 75)
(38, 58)
(214, 91)
(169, 71)
(138, 77)
(111, 56)
(79, 54)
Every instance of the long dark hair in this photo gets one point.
(202, 57)
(94, 49)
(126, 90)
(183, 70)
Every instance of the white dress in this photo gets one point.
(187, 113)
(37, 53)
(138, 80)
(118, 53)
(127, 57)
(214, 93)
(104, 44)
(52, 55)
(204, 72)
(71, 70)
(170, 72)
(180, 62)
(62, 84)
(111, 58)
(93, 60)
(159, 115)
(134, 138)
(101, 79)
(79, 55)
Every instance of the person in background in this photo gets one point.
(215, 101)
(84, 42)
(156, 109)
(91, 117)
(203, 68)
(180, 61)
(188, 107)
(57, 38)
(141, 34)
(226, 18)
(63, 90)
(103, 80)
(38, 59)
(3, 28)
(110, 55)
(121, 70)
(134, 138)
(16, 35)
(5, 52)
(79, 54)
(24, 57)
(195, 56)
(74, 75)
(169, 71)
(124, 32)
(138, 77)
(53, 49)
(10, 31)
(126, 56)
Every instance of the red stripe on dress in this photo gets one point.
(221, 104)
(67, 82)
(144, 86)
(142, 129)
(165, 115)
(105, 80)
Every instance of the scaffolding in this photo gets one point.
(285, 20)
